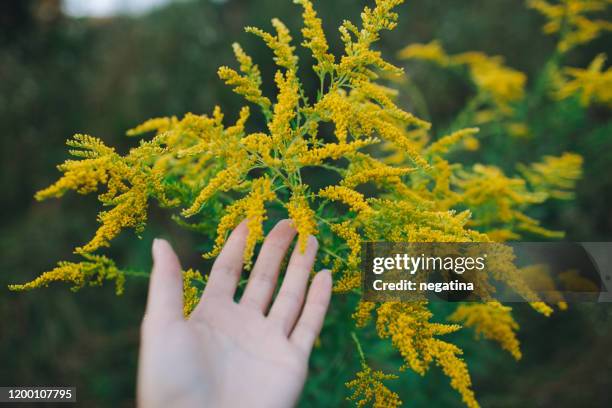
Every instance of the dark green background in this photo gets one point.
(60, 75)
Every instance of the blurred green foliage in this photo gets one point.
(60, 75)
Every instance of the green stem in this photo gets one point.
(359, 349)
(466, 116)
(137, 274)
(332, 253)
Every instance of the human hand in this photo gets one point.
(227, 353)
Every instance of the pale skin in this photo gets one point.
(247, 353)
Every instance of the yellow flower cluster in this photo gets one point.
(130, 211)
(335, 106)
(538, 278)
(432, 51)
(93, 271)
(502, 84)
(592, 84)
(280, 44)
(314, 38)
(248, 84)
(251, 207)
(446, 357)
(355, 200)
(498, 202)
(351, 278)
(411, 332)
(571, 19)
(303, 217)
(443, 144)
(130, 181)
(82, 176)
(191, 292)
(221, 182)
(491, 320)
(368, 388)
(285, 107)
(154, 124)
(363, 313)
(332, 151)
(359, 59)
(554, 175)
(573, 281)
(364, 169)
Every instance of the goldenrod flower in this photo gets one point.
(159, 125)
(571, 19)
(314, 38)
(488, 187)
(363, 313)
(538, 277)
(446, 357)
(285, 109)
(280, 44)
(573, 281)
(518, 130)
(252, 207)
(332, 151)
(368, 387)
(502, 83)
(336, 107)
(443, 144)
(130, 211)
(592, 84)
(555, 176)
(351, 237)
(249, 84)
(493, 321)
(395, 135)
(303, 217)
(262, 145)
(261, 192)
(224, 180)
(93, 271)
(359, 59)
(191, 292)
(367, 91)
(82, 176)
(408, 327)
(355, 200)
(432, 51)
(375, 173)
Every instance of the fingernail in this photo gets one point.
(155, 247)
(313, 241)
(284, 221)
(153, 250)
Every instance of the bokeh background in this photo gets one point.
(64, 70)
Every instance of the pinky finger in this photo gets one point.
(310, 322)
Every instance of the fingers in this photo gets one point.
(262, 281)
(227, 268)
(165, 299)
(290, 298)
(310, 322)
